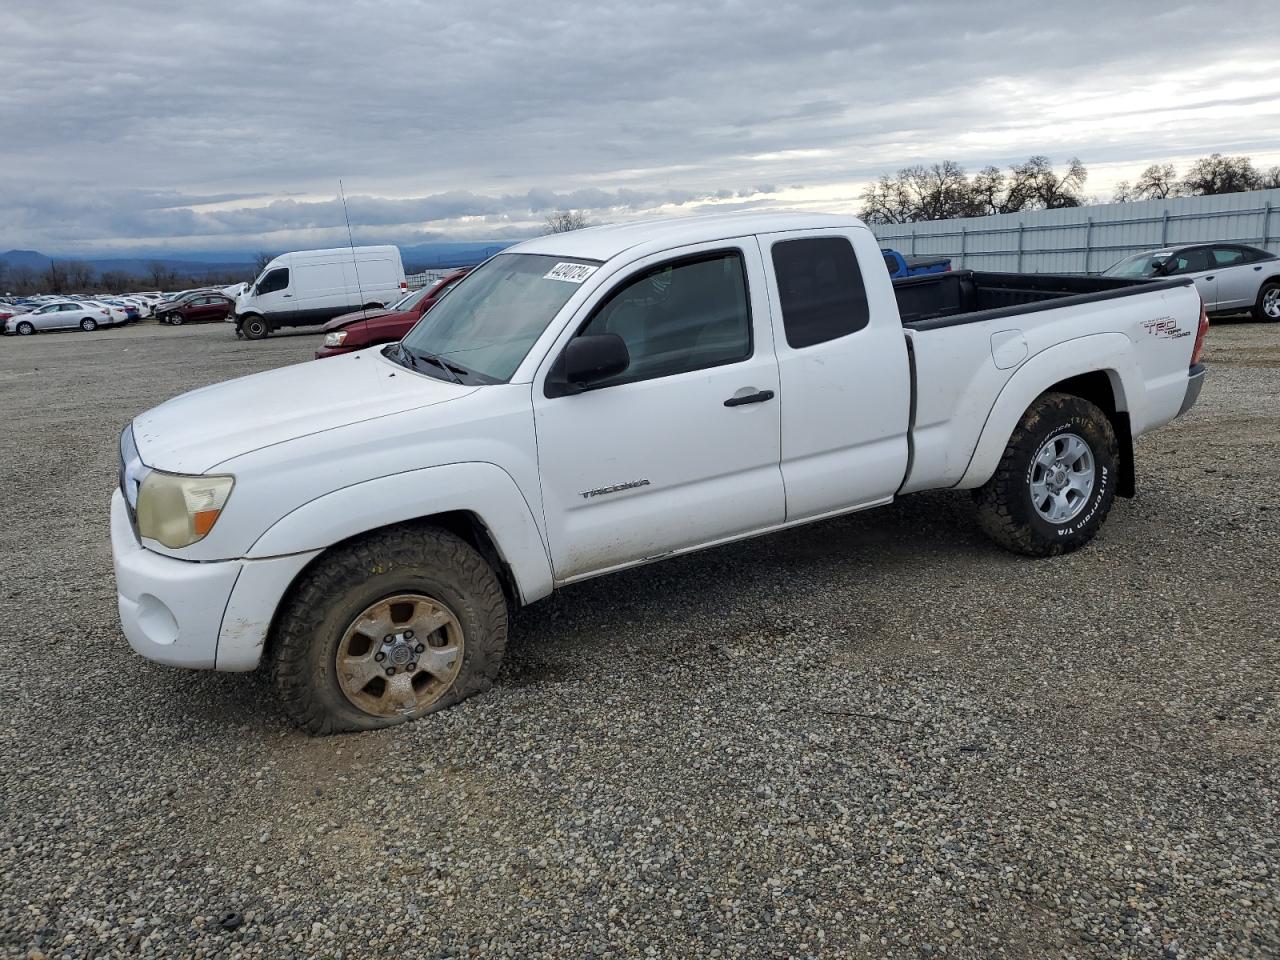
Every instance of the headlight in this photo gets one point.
(178, 510)
(335, 339)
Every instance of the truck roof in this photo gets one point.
(602, 243)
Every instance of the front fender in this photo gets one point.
(1111, 353)
(483, 489)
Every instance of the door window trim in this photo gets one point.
(552, 384)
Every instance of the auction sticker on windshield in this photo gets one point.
(570, 272)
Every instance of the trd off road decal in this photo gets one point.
(1164, 327)
(570, 272)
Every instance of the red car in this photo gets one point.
(198, 309)
(367, 328)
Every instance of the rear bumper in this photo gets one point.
(1195, 382)
(198, 615)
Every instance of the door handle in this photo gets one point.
(288, 294)
(1206, 278)
(760, 396)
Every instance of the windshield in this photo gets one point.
(409, 300)
(491, 318)
(1139, 265)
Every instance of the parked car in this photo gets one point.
(588, 401)
(60, 315)
(367, 328)
(1231, 277)
(312, 286)
(116, 313)
(198, 309)
(900, 266)
(131, 310)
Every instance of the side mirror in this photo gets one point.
(590, 359)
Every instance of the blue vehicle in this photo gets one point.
(900, 266)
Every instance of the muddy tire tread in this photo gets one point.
(995, 498)
(289, 663)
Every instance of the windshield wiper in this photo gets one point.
(452, 369)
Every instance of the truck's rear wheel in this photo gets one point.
(398, 624)
(1055, 484)
(255, 327)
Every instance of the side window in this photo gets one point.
(820, 287)
(1228, 256)
(1191, 261)
(680, 316)
(277, 279)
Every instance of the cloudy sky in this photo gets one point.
(142, 126)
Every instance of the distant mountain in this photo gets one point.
(425, 256)
(196, 263)
(136, 266)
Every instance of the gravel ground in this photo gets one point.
(874, 737)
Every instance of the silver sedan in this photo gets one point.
(59, 315)
(1231, 277)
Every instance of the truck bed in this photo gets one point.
(967, 296)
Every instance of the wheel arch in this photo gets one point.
(479, 502)
(1098, 368)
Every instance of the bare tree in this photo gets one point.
(1035, 185)
(887, 201)
(1158, 182)
(989, 191)
(260, 263)
(1218, 174)
(80, 276)
(1271, 179)
(25, 280)
(160, 276)
(55, 278)
(943, 191)
(117, 281)
(563, 221)
(4, 276)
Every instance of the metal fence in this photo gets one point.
(417, 281)
(1089, 239)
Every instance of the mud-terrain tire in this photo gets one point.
(255, 327)
(1267, 307)
(1035, 505)
(317, 619)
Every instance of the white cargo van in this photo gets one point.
(312, 286)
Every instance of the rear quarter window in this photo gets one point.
(820, 288)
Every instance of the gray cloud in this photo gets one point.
(141, 122)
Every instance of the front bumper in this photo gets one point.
(200, 615)
(323, 351)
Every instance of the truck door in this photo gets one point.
(843, 370)
(681, 448)
(272, 297)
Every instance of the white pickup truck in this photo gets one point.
(589, 401)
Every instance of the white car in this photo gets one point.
(1230, 277)
(589, 401)
(61, 315)
(116, 313)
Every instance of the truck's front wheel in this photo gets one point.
(255, 327)
(1055, 484)
(400, 623)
